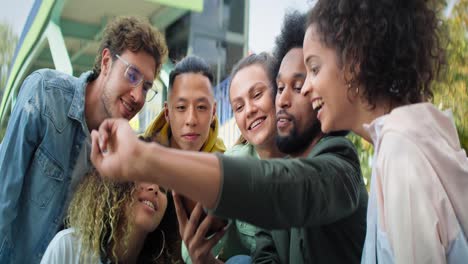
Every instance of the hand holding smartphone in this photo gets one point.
(217, 225)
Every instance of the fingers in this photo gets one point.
(192, 225)
(194, 232)
(107, 128)
(96, 155)
(203, 229)
(180, 211)
(200, 247)
(205, 225)
(211, 242)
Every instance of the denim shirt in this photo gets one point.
(37, 156)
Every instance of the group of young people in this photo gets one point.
(289, 191)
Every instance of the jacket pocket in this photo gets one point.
(247, 235)
(6, 251)
(45, 177)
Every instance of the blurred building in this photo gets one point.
(64, 35)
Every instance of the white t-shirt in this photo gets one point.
(66, 248)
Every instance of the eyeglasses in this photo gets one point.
(135, 77)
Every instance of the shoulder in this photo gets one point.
(242, 150)
(398, 146)
(334, 142)
(49, 85)
(65, 237)
(400, 162)
(58, 80)
(63, 247)
(334, 145)
(397, 150)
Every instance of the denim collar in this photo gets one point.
(77, 106)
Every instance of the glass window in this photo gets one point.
(233, 14)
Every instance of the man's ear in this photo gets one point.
(214, 111)
(106, 61)
(213, 115)
(166, 112)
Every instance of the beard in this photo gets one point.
(106, 103)
(295, 141)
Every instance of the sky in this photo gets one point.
(14, 13)
(265, 26)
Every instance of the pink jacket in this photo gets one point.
(418, 207)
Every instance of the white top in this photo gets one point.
(417, 210)
(66, 248)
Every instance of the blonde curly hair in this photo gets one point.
(98, 213)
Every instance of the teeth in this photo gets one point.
(148, 203)
(256, 123)
(317, 104)
(129, 108)
(283, 120)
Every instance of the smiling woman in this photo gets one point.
(251, 94)
(117, 222)
(369, 72)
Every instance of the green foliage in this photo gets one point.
(451, 91)
(8, 42)
(365, 152)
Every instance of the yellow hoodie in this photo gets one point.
(159, 131)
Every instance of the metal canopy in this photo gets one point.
(65, 34)
(82, 22)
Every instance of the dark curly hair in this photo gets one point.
(134, 34)
(393, 49)
(291, 36)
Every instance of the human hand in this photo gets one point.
(194, 232)
(114, 149)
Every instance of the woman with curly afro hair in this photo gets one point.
(117, 223)
(370, 64)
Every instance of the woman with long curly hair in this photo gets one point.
(117, 223)
(370, 65)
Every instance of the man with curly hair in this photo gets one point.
(46, 146)
(334, 236)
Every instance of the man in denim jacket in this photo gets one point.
(45, 150)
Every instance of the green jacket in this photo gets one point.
(315, 205)
(240, 237)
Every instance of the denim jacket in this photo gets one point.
(37, 156)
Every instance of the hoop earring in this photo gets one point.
(163, 243)
(356, 91)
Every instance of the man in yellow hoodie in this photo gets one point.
(188, 120)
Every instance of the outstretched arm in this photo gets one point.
(118, 154)
(268, 193)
